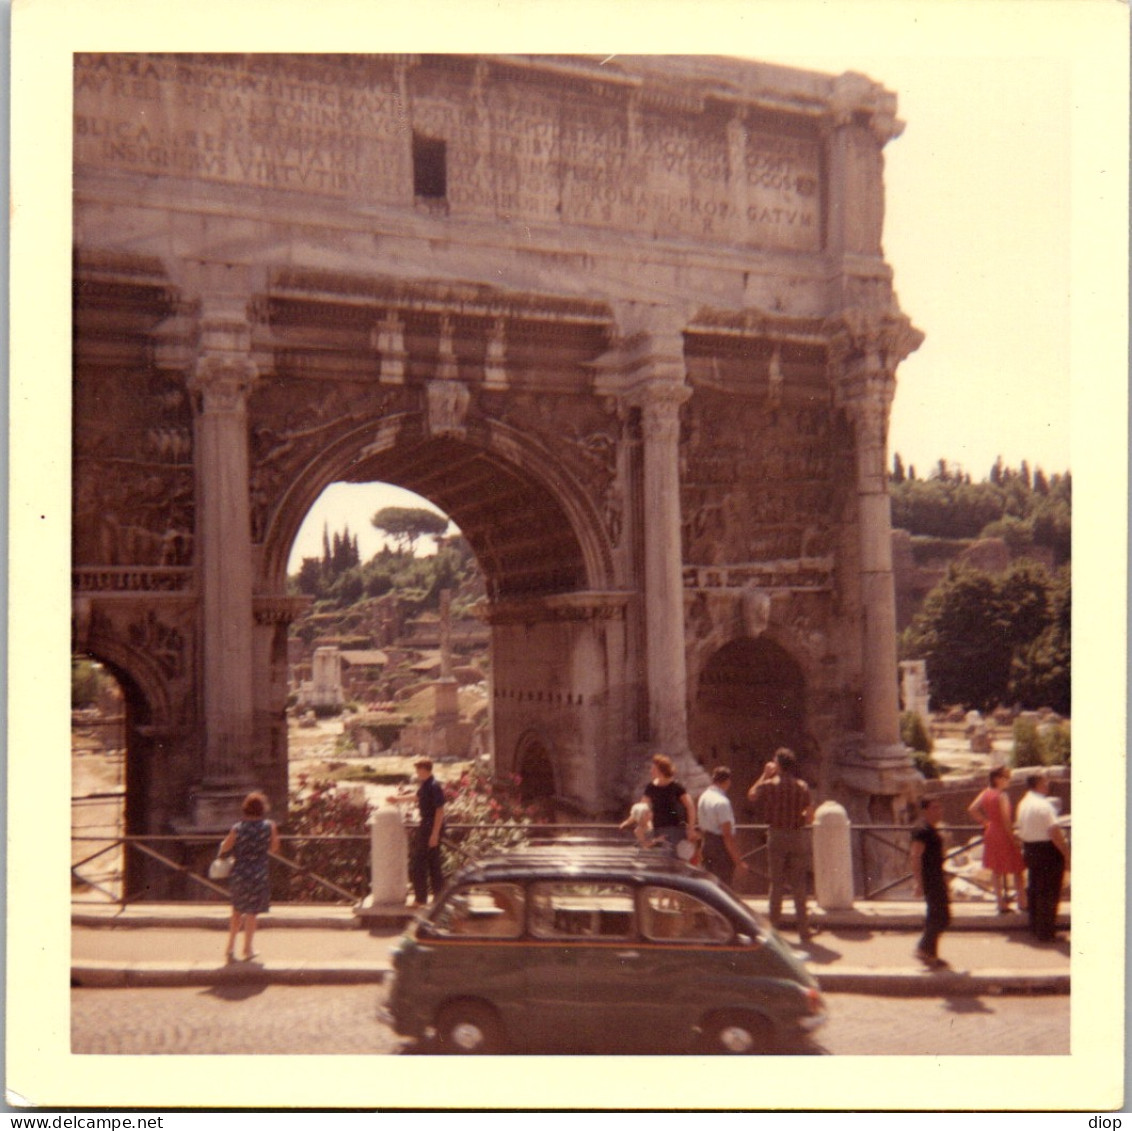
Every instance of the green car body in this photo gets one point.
(584, 949)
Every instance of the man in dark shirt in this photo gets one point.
(929, 880)
(783, 801)
(424, 858)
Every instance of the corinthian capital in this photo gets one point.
(865, 347)
(225, 369)
(660, 409)
(221, 383)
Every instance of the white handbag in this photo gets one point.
(220, 868)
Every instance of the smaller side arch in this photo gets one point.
(749, 700)
(534, 766)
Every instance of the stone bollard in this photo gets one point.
(833, 858)
(389, 859)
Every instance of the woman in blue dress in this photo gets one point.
(250, 841)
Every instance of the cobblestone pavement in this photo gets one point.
(964, 1026)
(341, 1020)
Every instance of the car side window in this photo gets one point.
(572, 909)
(670, 915)
(481, 911)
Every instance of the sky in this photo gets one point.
(979, 231)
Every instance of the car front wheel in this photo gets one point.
(737, 1034)
(469, 1028)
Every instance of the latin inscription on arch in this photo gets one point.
(514, 151)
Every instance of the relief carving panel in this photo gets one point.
(133, 471)
(584, 437)
(757, 485)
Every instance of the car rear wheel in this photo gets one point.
(469, 1028)
(738, 1034)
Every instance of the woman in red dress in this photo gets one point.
(1001, 854)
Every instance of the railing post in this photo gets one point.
(833, 858)
(389, 864)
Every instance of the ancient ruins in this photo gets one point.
(628, 322)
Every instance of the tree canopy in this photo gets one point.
(406, 524)
(1024, 509)
(992, 639)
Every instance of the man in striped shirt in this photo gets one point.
(782, 801)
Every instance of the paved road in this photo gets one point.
(252, 1019)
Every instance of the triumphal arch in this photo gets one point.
(627, 321)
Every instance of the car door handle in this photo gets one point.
(628, 954)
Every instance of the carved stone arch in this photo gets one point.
(749, 699)
(136, 671)
(534, 765)
(402, 454)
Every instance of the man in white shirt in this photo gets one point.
(1046, 852)
(717, 824)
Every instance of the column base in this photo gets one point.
(877, 769)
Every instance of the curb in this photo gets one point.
(159, 975)
(952, 983)
(890, 982)
(393, 917)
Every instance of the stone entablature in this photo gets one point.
(628, 149)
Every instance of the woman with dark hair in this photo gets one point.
(250, 841)
(673, 813)
(1001, 855)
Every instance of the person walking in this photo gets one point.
(782, 801)
(1001, 855)
(1046, 853)
(250, 842)
(425, 867)
(717, 827)
(930, 881)
(673, 814)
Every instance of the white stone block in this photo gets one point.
(833, 858)
(389, 857)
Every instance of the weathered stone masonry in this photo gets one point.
(629, 323)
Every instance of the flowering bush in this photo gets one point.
(318, 808)
(492, 807)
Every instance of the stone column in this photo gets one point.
(664, 579)
(649, 373)
(219, 385)
(867, 350)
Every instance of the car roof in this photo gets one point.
(569, 858)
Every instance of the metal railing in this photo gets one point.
(180, 863)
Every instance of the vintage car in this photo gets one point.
(580, 948)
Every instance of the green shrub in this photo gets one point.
(914, 734)
(1056, 745)
(487, 803)
(1027, 744)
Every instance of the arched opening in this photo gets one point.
(750, 700)
(536, 777)
(390, 657)
(109, 779)
(537, 542)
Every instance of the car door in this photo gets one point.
(468, 949)
(688, 954)
(582, 981)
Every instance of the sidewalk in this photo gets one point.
(867, 950)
